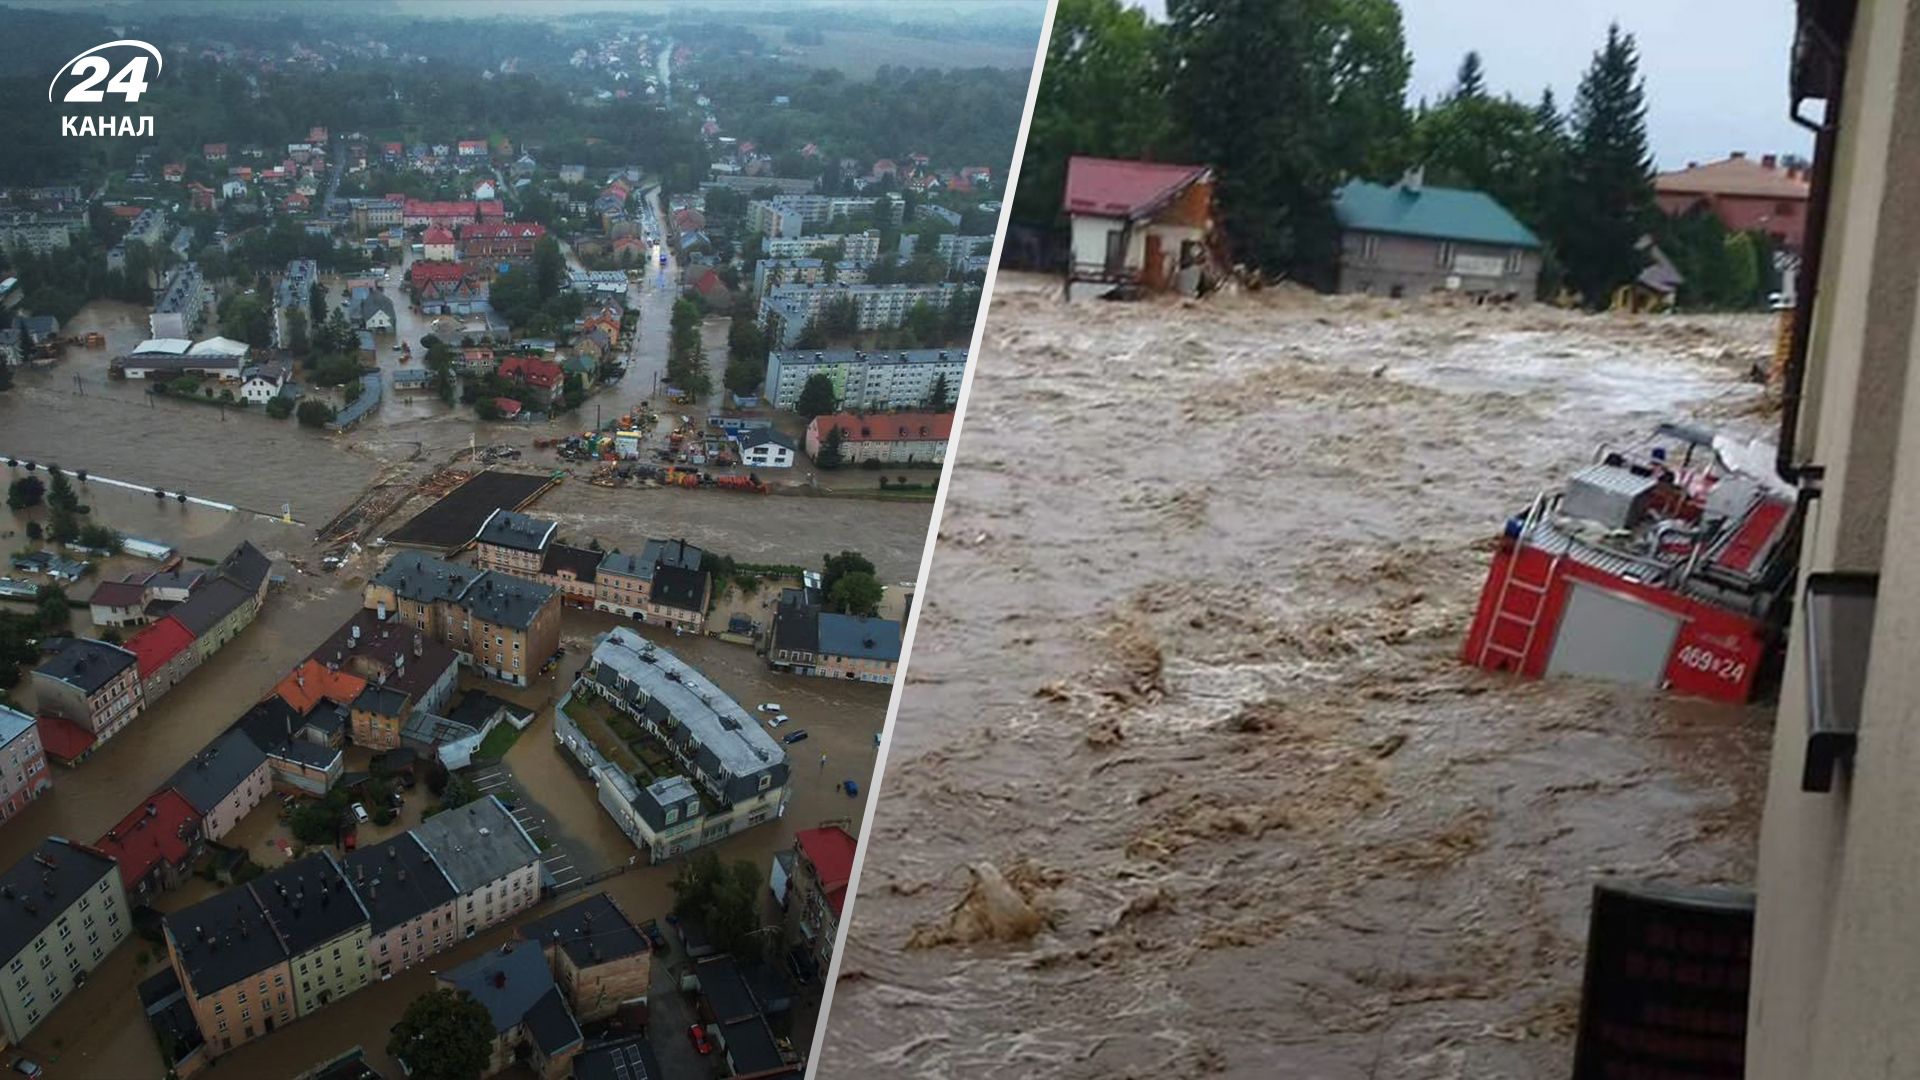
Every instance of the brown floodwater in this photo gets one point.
(1188, 678)
(113, 429)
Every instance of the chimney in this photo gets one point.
(1768, 161)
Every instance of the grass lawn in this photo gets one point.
(497, 742)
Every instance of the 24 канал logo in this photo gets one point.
(84, 76)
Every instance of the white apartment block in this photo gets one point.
(181, 304)
(788, 308)
(866, 381)
(860, 247)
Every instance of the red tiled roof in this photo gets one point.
(887, 427)
(507, 406)
(491, 208)
(1110, 188)
(62, 739)
(1736, 176)
(423, 271)
(503, 231)
(311, 682)
(831, 852)
(158, 830)
(159, 643)
(427, 208)
(533, 371)
(118, 594)
(438, 234)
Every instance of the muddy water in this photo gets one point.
(1188, 677)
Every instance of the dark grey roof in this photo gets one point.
(797, 628)
(521, 532)
(506, 600)
(671, 553)
(552, 1028)
(405, 658)
(582, 562)
(726, 992)
(750, 1046)
(678, 588)
(276, 729)
(476, 706)
(84, 663)
(507, 981)
(381, 701)
(246, 566)
(224, 764)
(623, 1059)
(209, 604)
(762, 436)
(251, 927)
(620, 562)
(477, 843)
(593, 931)
(866, 639)
(424, 578)
(707, 726)
(397, 880)
(42, 886)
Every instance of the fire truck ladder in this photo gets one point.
(1510, 580)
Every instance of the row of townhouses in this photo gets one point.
(662, 583)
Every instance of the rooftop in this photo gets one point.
(521, 532)
(159, 642)
(1436, 213)
(1132, 189)
(831, 850)
(865, 639)
(312, 682)
(249, 928)
(42, 886)
(210, 604)
(210, 776)
(477, 843)
(1737, 175)
(582, 563)
(593, 931)
(630, 1058)
(497, 598)
(507, 981)
(677, 588)
(397, 880)
(160, 830)
(402, 657)
(13, 724)
(84, 663)
(62, 739)
(714, 720)
(885, 427)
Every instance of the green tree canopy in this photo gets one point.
(444, 1035)
(839, 566)
(1609, 173)
(816, 396)
(856, 593)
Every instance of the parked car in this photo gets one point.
(698, 1036)
(26, 1067)
(360, 813)
(778, 720)
(794, 737)
(771, 706)
(852, 788)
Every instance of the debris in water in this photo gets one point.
(993, 910)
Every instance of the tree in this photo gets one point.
(297, 333)
(1468, 82)
(856, 594)
(1104, 94)
(549, 267)
(831, 455)
(6, 375)
(314, 413)
(839, 566)
(61, 496)
(317, 304)
(725, 897)
(444, 1035)
(280, 407)
(937, 394)
(25, 493)
(100, 538)
(1609, 173)
(1287, 98)
(816, 396)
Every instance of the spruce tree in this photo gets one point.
(1609, 191)
(1469, 81)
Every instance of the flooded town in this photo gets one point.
(455, 579)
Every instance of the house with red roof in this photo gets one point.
(202, 195)
(906, 437)
(884, 167)
(490, 210)
(437, 244)
(1747, 195)
(214, 151)
(63, 740)
(509, 408)
(173, 172)
(712, 290)
(166, 654)
(156, 844)
(1137, 222)
(817, 873)
(535, 373)
(471, 148)
(501, 240)
(419, 213)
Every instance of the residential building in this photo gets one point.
(787, 309)
(371, 310)
(529, 1012)
(419, 213)
(412, 904)
(873, 381)
(725, 773)
(1833, 958)
(493, 864)
(931, 212)
(261, 955)
(166, 656)
(816, 889)
(955, 249)
(1138, 222)
(293, 292)
(23, 763)
(662, 584)
(438, 244)
(224, 782)
(372, 215)
(161, 359)
(118, 603)
(1766, 196)
(402, 670)
(768, 273)
(261, 383)
(303, 750)
(39, 232)
(808, 640)
(1411, 238)
(494, 241)
(599, 958)
(155, 845)
(903, 438)
(770, 217)
(513, 543)
(545, 378)
(860, 247)
(739, 1028)
(601, 282)
(92, 683)
(62, 910)
(504, 626)
(181, 304)
(765, 448)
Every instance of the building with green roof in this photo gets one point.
(1410, 238)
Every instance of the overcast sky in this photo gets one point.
(1716, 70)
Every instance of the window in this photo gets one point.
(1369, 247)
(1443, 255)
(1516, 259)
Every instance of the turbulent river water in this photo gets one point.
(1188, 677)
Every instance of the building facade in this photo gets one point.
(867, 381)
(92, 683)
(1412, 238)
(501, 625)
(23, 763)
(903, 438)
(62, 911)
(493, 864)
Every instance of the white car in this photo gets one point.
(771, 706)
(778, 720)
(360, 814)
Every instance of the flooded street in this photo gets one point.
(1189, 680)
